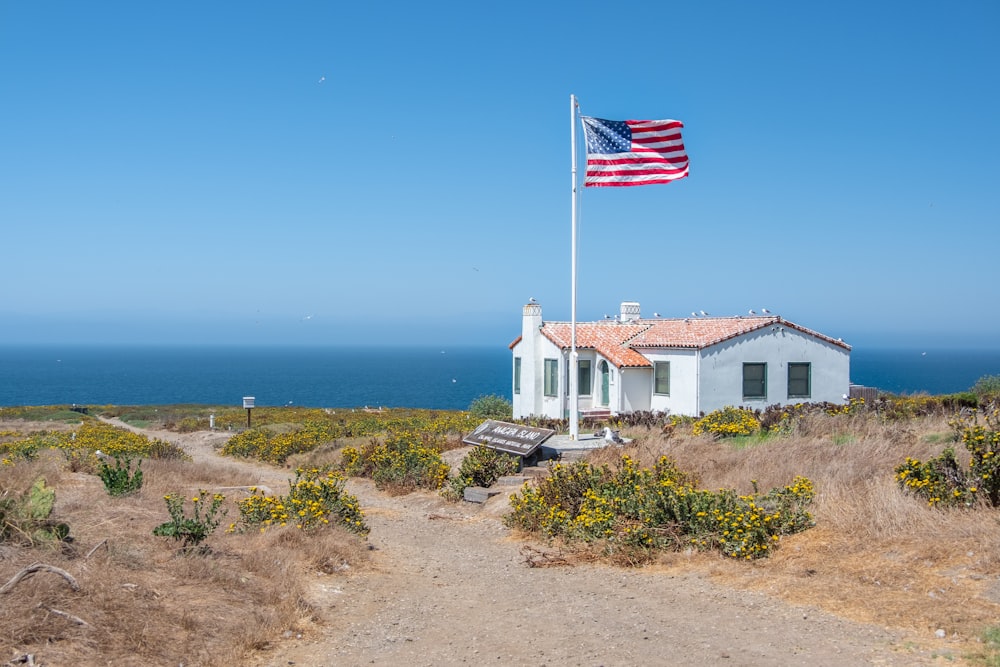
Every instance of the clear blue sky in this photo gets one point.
(399, 172)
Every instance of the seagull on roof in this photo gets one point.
(694, 314)
(531, 299)
(704, 314)
(751, 312)
(765, 311)
(656, 314)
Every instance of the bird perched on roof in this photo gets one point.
(765, 311)
(751, 312)
(704, 314)
(531, 299)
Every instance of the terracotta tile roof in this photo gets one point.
(622, 343)
(699, 332)
(608, 337)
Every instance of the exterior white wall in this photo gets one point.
(683, 398)
(533, 349)
(636, 385)
(700, 380)
(721, 369)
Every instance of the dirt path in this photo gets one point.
(451, 586)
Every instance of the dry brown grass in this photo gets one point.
(143, 602)
(876, 554)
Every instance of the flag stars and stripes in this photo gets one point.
(633, 152)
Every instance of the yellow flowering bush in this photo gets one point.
(15, 446)
(941, 481)
(315, 498)
(728, 421)
(401, 462)
(276, 447)
(313, 428)
(79, 446)
(645, 509)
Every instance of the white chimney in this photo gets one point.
(531, 320)
(630, 311)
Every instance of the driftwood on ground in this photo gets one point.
(32, 569)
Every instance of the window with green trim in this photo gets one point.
(583, 377)
(551, 383)
(799, 385)
(517, 375)
(661, 378)
(754, 380)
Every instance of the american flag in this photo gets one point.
(633, 152)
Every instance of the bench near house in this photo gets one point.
(682, 366)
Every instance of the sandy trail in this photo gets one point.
(450, 585)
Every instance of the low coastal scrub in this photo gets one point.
(137, 603)
(274, 446)
(632, 511)
(481, 467)
(492, 407)
(25, 517)
(83, 446)
(80, 446)
(315, 498)
(191, 531)
(728, 421)
(120, 479)
(275, 441)
(401, 462)
(942, 480)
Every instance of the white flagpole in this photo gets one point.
(574, 390)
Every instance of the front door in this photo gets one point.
(605, 384)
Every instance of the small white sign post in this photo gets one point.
(248, 404)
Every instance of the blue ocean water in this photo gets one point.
(931, 371)
(443, 379)
(448, 379)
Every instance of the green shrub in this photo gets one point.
(481, 467)
(987, 388)
(25, 518)
(120, 480)
(492, 407)
(191, 531)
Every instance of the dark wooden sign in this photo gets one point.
(510, 438)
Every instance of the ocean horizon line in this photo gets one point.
(335, 375)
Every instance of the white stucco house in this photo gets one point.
(682, 366)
